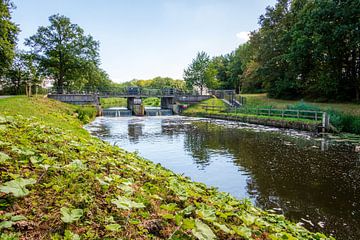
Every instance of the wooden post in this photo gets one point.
(325, 121)
(282, 113)
(298, 113)
(316, 117)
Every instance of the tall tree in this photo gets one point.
(200, 73)
(8, 36)
(64, 51)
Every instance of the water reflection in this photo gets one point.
(313, 181)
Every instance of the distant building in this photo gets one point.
(48, 83)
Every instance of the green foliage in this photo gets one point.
(17, 186)
(126, 204)
(203, 231)
(154, 102)
(155, 83)
(74, 62)
(201, 73)
(70, 215)
(8, 36)
(86, 113)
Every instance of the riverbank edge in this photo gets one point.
(279, 123)
(173, 205)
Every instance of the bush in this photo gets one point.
(86, 113)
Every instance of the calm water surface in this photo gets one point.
(311, 180)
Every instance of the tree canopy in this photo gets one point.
(8, 36)
(303, 49)
(201, 73)
(67, 54)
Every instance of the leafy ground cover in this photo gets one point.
(58, 182)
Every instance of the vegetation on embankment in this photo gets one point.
(216, 108)
(122, 102)
(343, 116)
(58, 182)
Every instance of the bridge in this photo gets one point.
(170, 97)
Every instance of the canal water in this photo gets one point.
(310, 179)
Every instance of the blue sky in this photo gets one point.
(143, 39)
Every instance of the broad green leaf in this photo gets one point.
(18, 218)
(168, 216)
(126, 204)
(207, 213)
(17, 187)
(169, 207)
(242, 231)
(202, 231)
(71, 236)
(70, 215)
(248, 219)
(113, 227)
(4, 157)
(222, 227)
(6, 224)
(188, 223)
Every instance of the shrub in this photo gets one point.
(86, 113)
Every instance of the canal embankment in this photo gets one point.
(59, 182)
(292, 119)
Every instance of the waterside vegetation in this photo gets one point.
(61, 183)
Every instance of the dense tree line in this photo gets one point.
(303, 49)
(155, 83)
(60, 51)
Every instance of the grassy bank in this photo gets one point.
(58, 182)
(217, 108)
(122, 102)
(344, 116)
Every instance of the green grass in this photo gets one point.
(198, 109)
(220, 108)
(261, 100)
(344, 117)
(152, 101)
(113, 102)
(58, 182)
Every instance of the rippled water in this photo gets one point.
(309, 179)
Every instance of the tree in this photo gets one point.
(200, 73)
(24, 72)
(64, 51)
(8, 36)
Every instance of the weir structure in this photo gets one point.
(170, 98)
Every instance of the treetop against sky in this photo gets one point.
(143, 39)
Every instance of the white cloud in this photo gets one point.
(243, 36)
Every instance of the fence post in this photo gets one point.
(282, 113)
(316, 117)
(325, 121)
(298, 114)
(269, 112)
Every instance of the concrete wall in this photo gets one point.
(77, 99)
(192, 99)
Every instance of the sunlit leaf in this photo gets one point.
(126, 204)
(17, 187)
(113, 227)
(202, 231)
(70, 215)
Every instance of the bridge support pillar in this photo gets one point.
(135, 106)
(167, 102)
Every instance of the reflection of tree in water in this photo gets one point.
(134, 132)
(299, 178)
